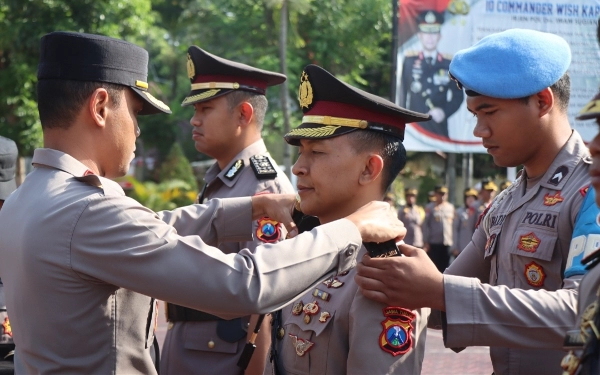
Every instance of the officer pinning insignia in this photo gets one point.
(321, 294)
(262, 167)
(235, 169)
(300, 345)
(324, 316)
(268, 230)
(396, 336)
(534, 274)
(332, 108)
(297, 308)
(558, 175)
(212, 76)
(551, 200)
(529, 242)
(333, 282)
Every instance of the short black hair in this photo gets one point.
(390, 148)
(59, 101)
(561, 90)
(259, 103)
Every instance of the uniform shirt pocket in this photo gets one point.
(536, 235)
(202, 335)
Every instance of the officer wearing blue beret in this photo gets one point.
(514, 287)
(425, 86)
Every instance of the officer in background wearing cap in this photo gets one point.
(437, 229)
(514, 287)
(583, 340)
(350, 152)
(230, 105)
(463, 216)
(8, 165)
(504, 185)
(82, 263)
(425, 85)
(486, 194)
(412, 215)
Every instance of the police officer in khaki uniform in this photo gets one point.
(583, 341)
(82, 263)
(437, 229)
(486, 194)
(8, 164)
(412, 215)
(342, 163)
(514, 287)
(425, 85)
(230, 104)
(462, 222)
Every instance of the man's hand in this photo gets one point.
(411, 281)
(278, 207)
(437, 114)
(377, 223)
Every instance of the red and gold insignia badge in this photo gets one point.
(6, 326)
(302, 346)
(551, 200)
(534, 273)
(583, 191)
(396, 336)
(490, 242)
(529, 242)
(268, 230)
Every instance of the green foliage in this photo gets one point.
(166, 195)
(177, 167)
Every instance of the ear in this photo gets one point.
(372, 169)
(98, 106)
(246, 113)
(545, 101)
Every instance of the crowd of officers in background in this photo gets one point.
(439, 227)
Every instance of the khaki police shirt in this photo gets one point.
(506, 289)
(412, 217)
(462, 229)
(186, 347)
(79, 260)
(350, 339)
(437, 227)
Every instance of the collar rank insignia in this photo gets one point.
(551, 200)
(235, 169)
(302, 346)
(534, 273)
(263, 168)
(529, 242)
(558, 175)
(268, 230)
(396, 336)
(7, 327)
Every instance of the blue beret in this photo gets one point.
(512, 64)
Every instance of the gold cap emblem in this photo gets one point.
(305, 92)
(190, 67)
(430, 17)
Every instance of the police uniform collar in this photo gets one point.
(55, 159)
(256, 148)
(565, 162)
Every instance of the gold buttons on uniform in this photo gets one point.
(170, 326)
(280, 333)
(211, 344)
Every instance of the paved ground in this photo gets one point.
(438, 360)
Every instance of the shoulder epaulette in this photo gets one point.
(262, 167)
(235, 169)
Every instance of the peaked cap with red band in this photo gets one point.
(332, 108)
(213, 76)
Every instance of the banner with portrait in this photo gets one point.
(431, 31)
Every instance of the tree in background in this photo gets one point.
(177, 167)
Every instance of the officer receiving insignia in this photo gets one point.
(230, 105)
(425, 85)
(334, 329)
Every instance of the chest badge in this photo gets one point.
(302, 346)
(534, 273)
(268, 230)
(311, 308)
(235, 169)
(7, 327)
(297, 308)
(324, 316)
(396, 336)
(551, 200)
(333, 282)
(529, 242)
